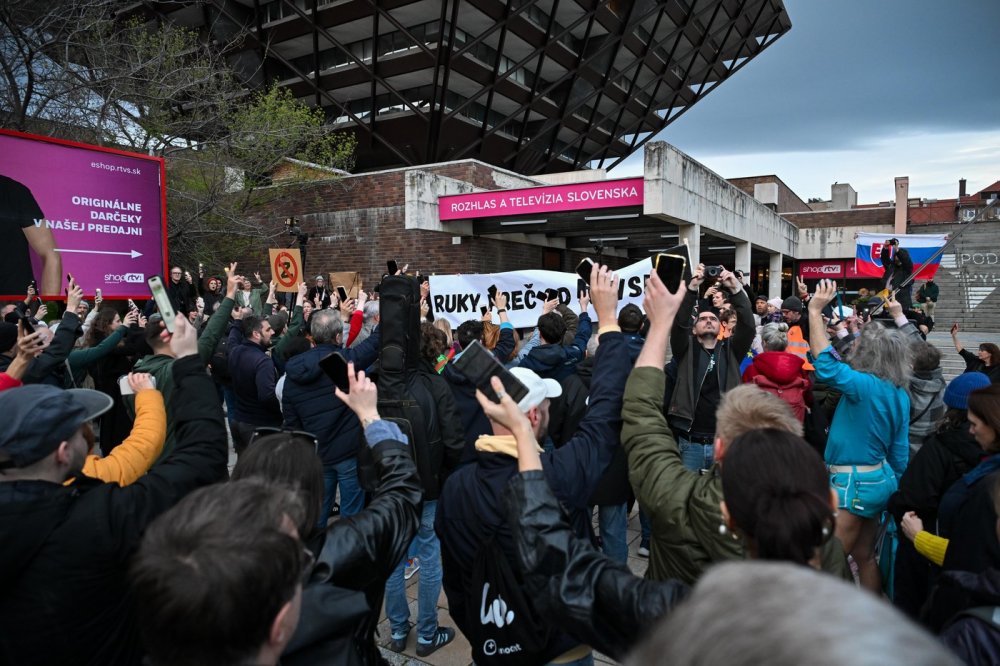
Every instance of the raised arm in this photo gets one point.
(43, 243)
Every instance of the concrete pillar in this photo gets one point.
(774, 276)
(742, 257)
(691, 234)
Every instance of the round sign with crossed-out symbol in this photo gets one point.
(285, 270)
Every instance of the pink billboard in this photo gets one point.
(70, 208)
(548, 199)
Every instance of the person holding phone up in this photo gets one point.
(706, 366)
(471, 507)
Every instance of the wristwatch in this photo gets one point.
(499, 310)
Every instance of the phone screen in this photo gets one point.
(670, 269)
(483, 310)
(391, 265)
(342, 293)
(478, 364)
(583, 269)
(551, 294)
(159, 293)
(335, 366)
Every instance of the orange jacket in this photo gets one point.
(798, 345)
(128, 461)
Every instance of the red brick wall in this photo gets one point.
(365, 226)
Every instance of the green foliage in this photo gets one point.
(86, 71)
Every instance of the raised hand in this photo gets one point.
(362, 395)
(604, 293)
(184, 341)
(140, 381)
(826, 291)
(232, 281)
(73, 295)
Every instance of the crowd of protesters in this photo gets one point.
(810, 488)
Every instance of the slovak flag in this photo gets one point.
(868, 254)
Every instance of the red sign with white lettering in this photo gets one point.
(822, 268)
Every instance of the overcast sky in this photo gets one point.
(859, 91)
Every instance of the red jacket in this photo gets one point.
(778, 371)
(8, 382)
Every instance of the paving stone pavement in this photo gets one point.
(458, 652)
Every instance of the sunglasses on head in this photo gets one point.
(263, 431)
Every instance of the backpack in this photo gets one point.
(403, 396)
(793, 393)
(503, 627)
(219, 362)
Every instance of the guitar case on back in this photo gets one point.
(402, 396)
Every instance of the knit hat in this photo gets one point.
(956, 395)
(776, 302)
(792, 303)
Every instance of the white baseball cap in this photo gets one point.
(538, 389)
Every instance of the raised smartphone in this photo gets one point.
(478, 364)
(335, 366)
(159, 293)
(670, 269)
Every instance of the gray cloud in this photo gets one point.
(853, 71)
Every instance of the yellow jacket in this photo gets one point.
(128, 461)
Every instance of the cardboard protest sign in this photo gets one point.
(286, 268)
(349, 280)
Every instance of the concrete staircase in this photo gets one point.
(952, 364)
(969, 279)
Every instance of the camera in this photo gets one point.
(713, 272)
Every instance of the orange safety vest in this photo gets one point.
(797, 345)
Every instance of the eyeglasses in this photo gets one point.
(262, 431)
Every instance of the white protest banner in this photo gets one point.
(458, 298)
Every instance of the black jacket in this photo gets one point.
(471, 504)
(968, 520)
(50, 366)
(944, 457)
(614, 487)
(732, 351)
(310, 404)
(64, 551)
(254, 378)
(343, 598)
(970, 635)
(183, 295)
(474, 422)
(598, 601)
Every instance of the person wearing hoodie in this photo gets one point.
(160, 363)
(947, 454)
(552, 359)
(780, 372)
(470, 512)
(309, 404)
(64, 554)
(927, 388)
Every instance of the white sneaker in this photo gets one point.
(643, 551)
(412, 567)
